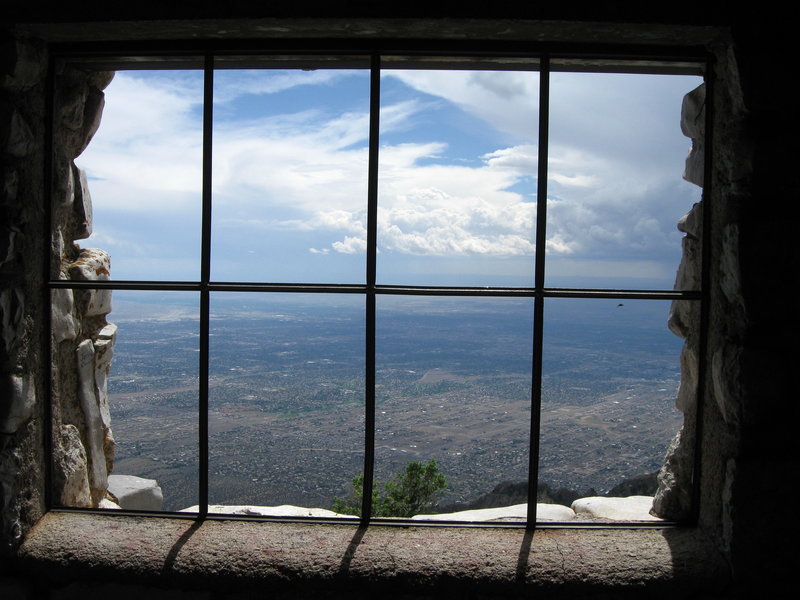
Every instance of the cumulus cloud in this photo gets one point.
(295, 172)
(149, 142)
(351, 245)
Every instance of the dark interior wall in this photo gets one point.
(762, 464)
(750, 458)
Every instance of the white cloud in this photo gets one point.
(351, 245)
(521, 159)
(147, 153)
(230, 85)
(304, 169)
(507, 100)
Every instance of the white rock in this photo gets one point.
(107, 332)
(673, 496)
(554, 512)
(95, 433)
(135, 493)
(17, 408)
(285, 510)
(83, 205)
(687, 388)
(103, 353)
(725, 375)
(632, 508)
(64, 324)
(693, 126)
(544, 512)
(66, 177)
(94, 265)
(57, 244)
(70, 467)
(692, 222)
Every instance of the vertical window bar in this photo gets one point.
(538, 302)
(705, 275)
(372, 249)
(205, 276)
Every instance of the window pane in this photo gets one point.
(286, 405)
(290, 175)
(457, 191)
(453, 386)
(143, 169)
(609, 383)
(615, 191)
(153, 391)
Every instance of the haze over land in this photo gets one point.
(286, 411)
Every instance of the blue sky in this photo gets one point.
(457, 177)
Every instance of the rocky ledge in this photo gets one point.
(632, 508)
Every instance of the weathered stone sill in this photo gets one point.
(226, 559)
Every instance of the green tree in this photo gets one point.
(404, 495)
(413, 491)
(352, 504)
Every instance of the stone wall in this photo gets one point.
(673, 498)
(751, 420)
(82, 340)
(22, 322)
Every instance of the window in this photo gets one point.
(329, 267)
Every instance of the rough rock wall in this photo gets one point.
(22, 81)
(82, 338)
(755, 321)
(673, 498)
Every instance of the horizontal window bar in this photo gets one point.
(333, 288)
(621, 293)
(375, 521)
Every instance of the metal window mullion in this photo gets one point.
(538, 301)
(205, 276)
(705, 278)
(371, 271)
(345, 288)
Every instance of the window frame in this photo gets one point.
(547, 57)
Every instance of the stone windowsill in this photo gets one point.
(231, 557)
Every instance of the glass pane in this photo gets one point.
(610, 378)
(143, 171)
(142, 387)
(615, 187)
(286, 405)
(453, 386)
(290, 175)
(457, 168)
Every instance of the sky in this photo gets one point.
(457, 177)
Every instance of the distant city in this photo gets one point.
(453, 383)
